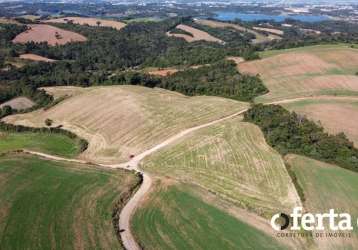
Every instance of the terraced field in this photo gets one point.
(175, 218)
(121, 121)
(232, 160)
(55, 144)
(51, 205)
(306, 71)
(327, 187)
(335, 114)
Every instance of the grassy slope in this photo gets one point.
(56, 144)
(311, 70)
(327, 186)
(119, 121)
(232, 160)
(177, 219)
(269, 53)
(340, 115)
(48, 205)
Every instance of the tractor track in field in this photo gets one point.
(127, 237)
(128, 210)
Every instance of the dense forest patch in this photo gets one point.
(218, 79)
(291, 133)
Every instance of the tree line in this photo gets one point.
(217, 79)
(289, 132)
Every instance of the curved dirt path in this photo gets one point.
(127, 237)
(128, 210)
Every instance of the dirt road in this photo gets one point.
(128, 210)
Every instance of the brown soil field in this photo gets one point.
(270, 30)
(335, 114)
(236, 59)
(46, 33)
(170, 71)
(162, 72)
(260, 38)
(88, 21)
(197, 34)
(305, 72)
(19, 103)
(121, 121)
(37, 58)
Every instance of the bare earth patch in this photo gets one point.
(46, 33)
(236, 59)
(162, 72)
(89, 21)
(270, 30)
(197, 34)
(19, 103)
(36, 58)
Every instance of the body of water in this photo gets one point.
(249, 17)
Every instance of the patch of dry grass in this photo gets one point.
(306, 71)
(232, 160)
(120, 121)
(336, 114)
(88, 21)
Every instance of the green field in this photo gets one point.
(268, 53)
(232, 160)
(51, 205)
(174, 218)
(325, 187)
(56, 144)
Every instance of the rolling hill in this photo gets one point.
(325, 187)
(178, 218)
(52, 205)
(121, 121)
(232, 160)
(306, 71)
(336, 115)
